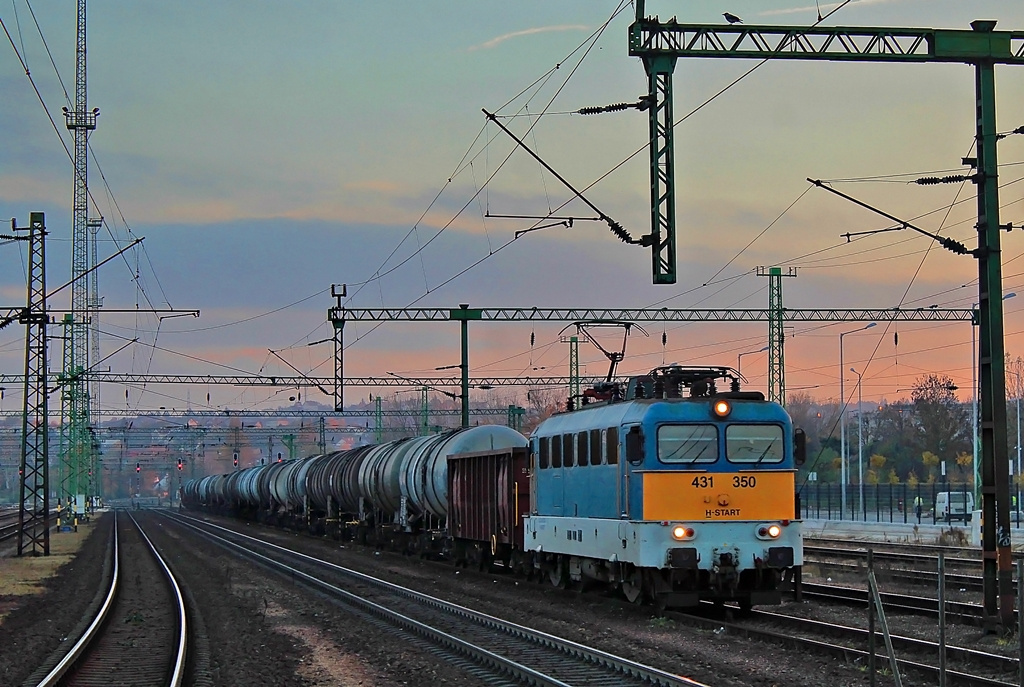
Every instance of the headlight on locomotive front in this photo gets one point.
(682, 532)
(721, 408)
(769, 531)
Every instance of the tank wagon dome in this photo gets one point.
(424, 475)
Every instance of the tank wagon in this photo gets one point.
(679, 494)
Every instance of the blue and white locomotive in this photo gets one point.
(678, 494)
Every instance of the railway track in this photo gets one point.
(966, 557)
(497, 651)
(8, 524)
(957, 611)
(850, 644)
(138, 637)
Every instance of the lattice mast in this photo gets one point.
(34, 498)
(95, 303)
(76, 442)
(776, 333)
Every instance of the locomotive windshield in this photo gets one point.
(687, 443)
(754, 444)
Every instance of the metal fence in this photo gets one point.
(896, 503)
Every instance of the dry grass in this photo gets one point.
(25, 575)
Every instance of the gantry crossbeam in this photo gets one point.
(649, 37)
(341, 315)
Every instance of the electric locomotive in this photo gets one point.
(679, 494)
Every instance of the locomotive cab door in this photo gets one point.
(633, 459)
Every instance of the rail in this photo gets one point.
(93, 630)
(90, 639)
(178, 673)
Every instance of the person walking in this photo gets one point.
(918, 503)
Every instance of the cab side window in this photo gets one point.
(611, 445)
(596, 447)
(568, 452)
(544, 456)
(582, 449)
(556, 452)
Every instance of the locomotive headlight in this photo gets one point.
(774, 531)
(681, 532)
(769, 531)
(722, 408)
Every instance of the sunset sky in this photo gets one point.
(267, 150)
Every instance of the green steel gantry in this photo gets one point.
(659, 44)
(338, 316)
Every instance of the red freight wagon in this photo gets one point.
(488, 495)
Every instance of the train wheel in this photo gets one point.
(633, 586)
(558, 575)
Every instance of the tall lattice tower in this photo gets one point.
(76, 440)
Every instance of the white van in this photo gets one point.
(954, 505)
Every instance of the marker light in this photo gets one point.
(722, 408)
(681, 532)
(769, 531)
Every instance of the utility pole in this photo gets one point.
(425, 412)
(323, 434)
(378, 424)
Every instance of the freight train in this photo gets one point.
(667, 490)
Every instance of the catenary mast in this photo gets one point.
(76, 442)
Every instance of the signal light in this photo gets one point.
(179, 463)
(235, 458)
(138, 467)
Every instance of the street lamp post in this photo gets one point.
(739, 359)
(860, 440)
(842, 415)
